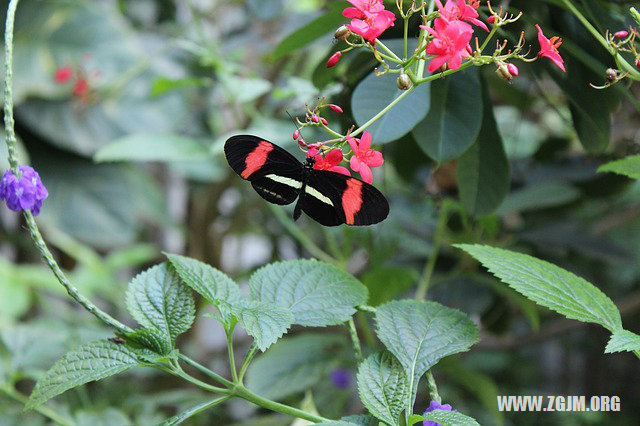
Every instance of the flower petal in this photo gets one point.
(365, 173)
(355, 163)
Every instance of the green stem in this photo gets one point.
(423, 284)
(383, 112)
(247, 360)
(194, 381)
(353, 331)
(393, 57)
(246, 394)
(232, 360)
(433, 388)
(206, 371)
(9, 123)
(45, 411)
(603, 41)
(406, 37)
(441, 74)
(198, 409)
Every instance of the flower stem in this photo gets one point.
(383, 112)
(393, 57)
(198, 409)
(357, 349)
(247, 360)
(206, 371)
(9, 122)
(232, 360)
(423, 284)
(246, 394)
(433, 388)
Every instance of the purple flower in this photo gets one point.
(341, 378)
(26, 193)
(435, 405)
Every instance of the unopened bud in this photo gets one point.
(612, 75)
(513, 70)
(503, 72)
(301, 142)
(324, 121)
(638, 63)
(296, 135)
(492, 19)
(336, 108)
(621, 34)
(333, 60)
(341, 33)
(403, 82)
(314, 118)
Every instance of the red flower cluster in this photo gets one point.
(81, 87)
(451, 34)
(369, 18)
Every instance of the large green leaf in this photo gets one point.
(153, 147)
(623, 340)
(483, 170)
(420, 333)
(328, 21)
(90, 362)
(293, 365)
(383, 386)
(317, 293)
(373, 94)
(444, 418)
(454, 118)
(627, 166)
(265, 322)
(549, 285)
(158, 300)
(538, 196)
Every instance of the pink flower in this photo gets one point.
(368, 18)
(549, 48)
(333, 60)
(459, 10)
(63, 74)
(450, 43)
(329, 162)
(621, 34)
(364, 157)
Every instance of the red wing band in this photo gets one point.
(256, 159)
(352, 200)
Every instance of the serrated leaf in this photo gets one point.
(420, 333)
(158, 300)
(383, 386)
(149, 339)
(209, 282)
(153, 147)
(317, 293)
(293, 365)
(444, 418)
(265, 322)
(454, 118)
(483, 170)
(90, 362)
(627, 166)
(361, 420)
(374, 93)
(548, 285)
(623, 340)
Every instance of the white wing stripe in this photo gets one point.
(285, 181)
(317, 194)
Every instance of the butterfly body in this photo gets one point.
(277, 176)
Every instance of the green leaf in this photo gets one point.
(445, 418)
(373, 94)
(538, 196)
(317, 293)
(627, 166)
(210, 283)
(328, 21)
(420, 333)
(90, 362)
(455, 116)
(361, 420)
(158, 300)
(548, 285)
(483, 170)
(149, 339)
(623, 340)
(293, 365)
(265, 322)
(383, 386)
(162, 85)
(153, 147)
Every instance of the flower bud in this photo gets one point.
(513, 70)
(341, 33)
(296, 135)
(492, 19)
(314, 118)
(503, 72)
(336, 108)
(301, 142)
(333, 60)
(324, 121)
(63, 74)
(638, 63)
(612, 75)
(621, 34)
(403, 82)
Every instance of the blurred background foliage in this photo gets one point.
(130, 149)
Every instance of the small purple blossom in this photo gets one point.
(435, 405)
(341, 378)
(26, 193)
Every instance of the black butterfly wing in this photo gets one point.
(332, 199)
(275, 174)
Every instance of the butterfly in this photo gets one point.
(327, 197)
